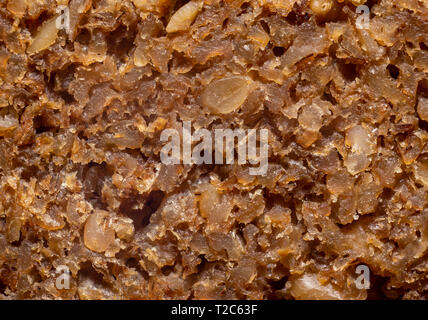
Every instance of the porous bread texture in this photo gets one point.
(82, 184)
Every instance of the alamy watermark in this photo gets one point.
(180, 149)
(62, 282)
(63, 20)
(363, 280)
(363, 21)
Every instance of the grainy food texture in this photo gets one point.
(82, 108)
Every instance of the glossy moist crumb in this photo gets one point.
(82, 184)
